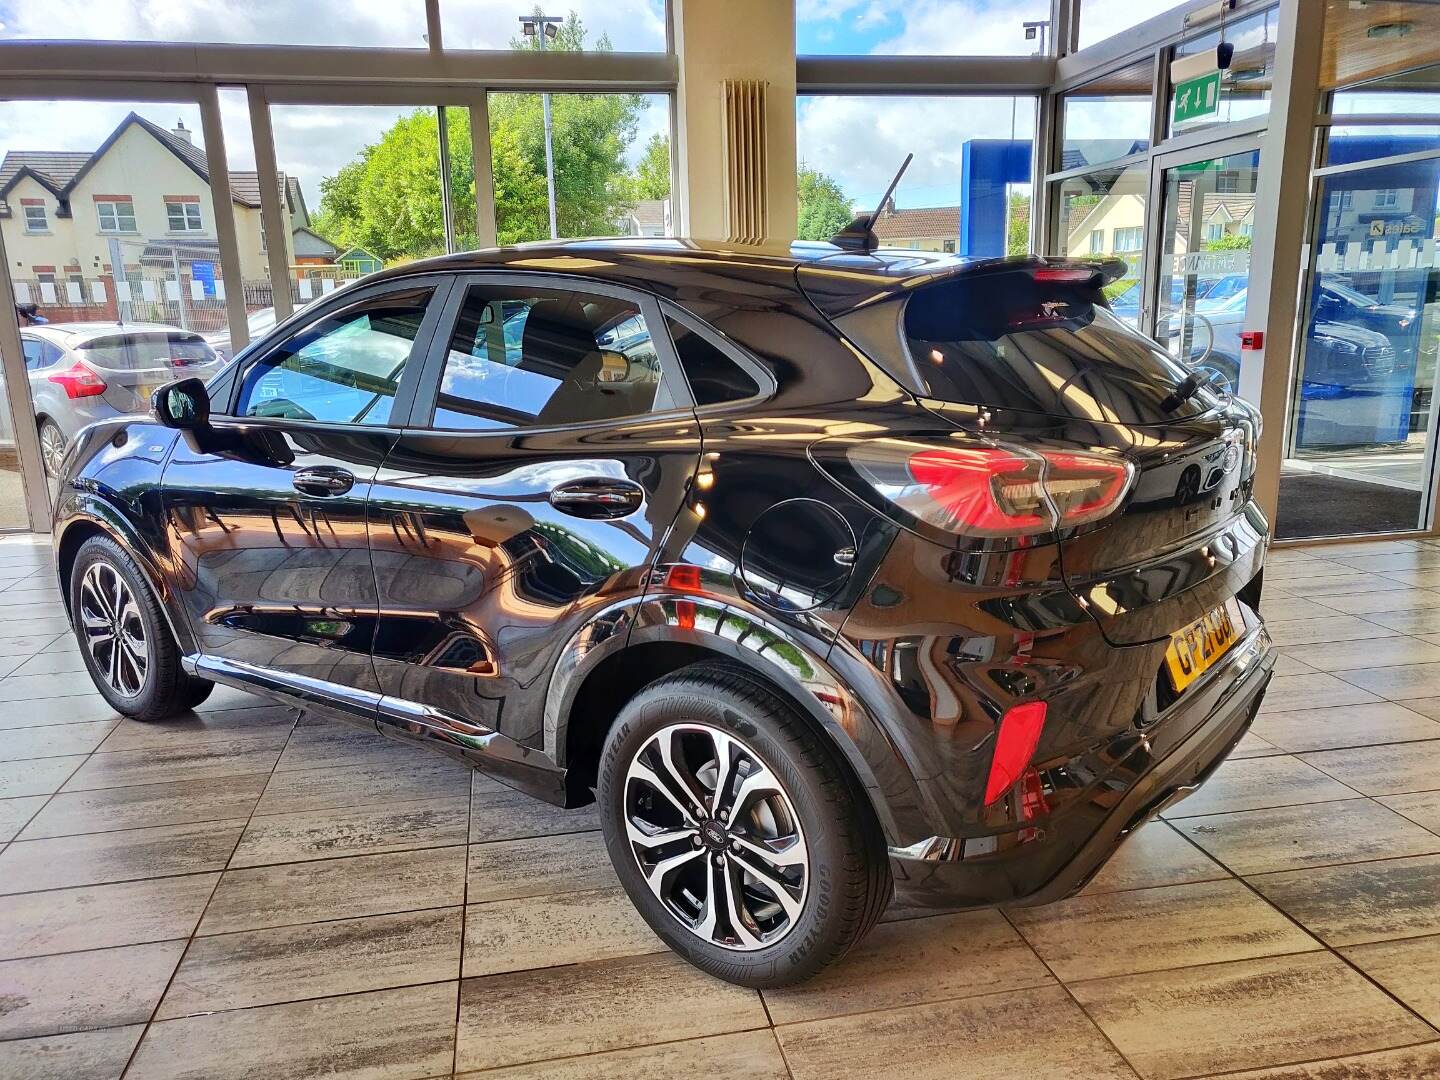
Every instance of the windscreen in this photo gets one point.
(1013, 340)
(138, 351)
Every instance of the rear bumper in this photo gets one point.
(1071, 846)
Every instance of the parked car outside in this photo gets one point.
(259, 322)
(827, 574)
(87, 371)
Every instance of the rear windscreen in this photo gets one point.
(133, 352)
(1009, 341)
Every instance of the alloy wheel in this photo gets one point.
(716, 837)
(52, 448)
(113, 630)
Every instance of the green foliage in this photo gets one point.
(387, 200)
(1017, 235)
(824, 207)
(1229, 242)
(652, 173)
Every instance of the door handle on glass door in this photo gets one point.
(323, 480)
(598, 498)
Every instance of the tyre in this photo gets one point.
(52, 446)
(737, 829)
(126, 643)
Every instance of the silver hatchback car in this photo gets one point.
(83, 372)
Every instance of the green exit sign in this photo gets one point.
(1198, 97)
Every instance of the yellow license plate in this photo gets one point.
(1194, 650)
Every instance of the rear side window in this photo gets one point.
(1009, 341)
(343, 369)
(714, 378)
(522, 356)
(139, 351)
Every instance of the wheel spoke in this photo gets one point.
(727, 760)
(656, 873)
(773, 882)
(646, 775)
(793, 854)
(653, 840)
(758, 782)
(664, 744)
(740, 919)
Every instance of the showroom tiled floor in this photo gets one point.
(242, 895)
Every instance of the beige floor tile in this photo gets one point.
(110, 809)
(27, 644)
(1318, 834)
(544, 931)
(91, 1055)
(65, 861)
(102, 916)
(1288, 665)
(1361, 902)
(1383, 770)
(751, 1055)
(1028, 1033)
(337, 889)
(37, 776)
(1409, 1063)
(1419, 622)
(510, 815)
(386, 1035)
(1253, 746)
(914, 962)
(66, 662)
(32, 687)
(320, 744)
(1400, 598)
(1292, 608)
(1422, 807)
(1409, 969)
(1154, 855)
(69, 710)
(510, 869)
(1428, 707)
(253, 729)
(1257, 783)
(389, 782)
(1399, 683)
(363, 830)
(1348, 725)
(529, 1016)
(53, 741)
(154, 765)
(14, 813)
(266, 967)
(45, 995)
(1290, 692)
(1349, 656)
(1175, 926)
(1384, 562)
(1328, 628)
(1245, 1015)
(1423, 578)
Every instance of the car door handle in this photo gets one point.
(323, 480)
(598, 498)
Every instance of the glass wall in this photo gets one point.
(922, 27)
(968, 189)
(1245, 85)
(1107, 119)
(1101, 19)
(1102, 215)
(599, 25)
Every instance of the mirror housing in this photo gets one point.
(183, 404)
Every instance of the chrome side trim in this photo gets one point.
(285, 685)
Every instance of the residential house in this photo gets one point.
(930, 228)
(646, 217)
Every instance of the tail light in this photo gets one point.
(80, 382)
(1015, 744)
(994, 490)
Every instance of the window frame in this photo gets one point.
(433, 369)
(231, 380)
(737, 355)
(184, 208)
(30, 226)
(114, 205)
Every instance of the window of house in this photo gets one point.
(713, 377)
(528, 356)
(183, 216)
(1214, 231)
(1129, 239)
(1247, 228)
(35, 219)
(1097, 241)
(343, 369)
(1387, 199)
(116, 216)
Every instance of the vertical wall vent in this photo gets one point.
(746, 209)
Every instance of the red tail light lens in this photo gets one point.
(80, 382)
(1015, 744)
(994, 490)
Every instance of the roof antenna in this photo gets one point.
(859, 235)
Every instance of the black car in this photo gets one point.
(823, 571)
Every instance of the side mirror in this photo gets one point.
(182, 404)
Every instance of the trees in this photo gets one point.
(388, 198)
(824, 207)
(652, 172)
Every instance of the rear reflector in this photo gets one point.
(1015, 744)
(993, 490)
(79, 382)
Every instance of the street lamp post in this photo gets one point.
(542, 27)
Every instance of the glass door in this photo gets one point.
(1207, 215)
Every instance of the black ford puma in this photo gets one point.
(827, 572)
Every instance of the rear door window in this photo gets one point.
(1013, 340)
(144, 351)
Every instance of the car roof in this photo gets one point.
(844, 279)
(72, 333)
